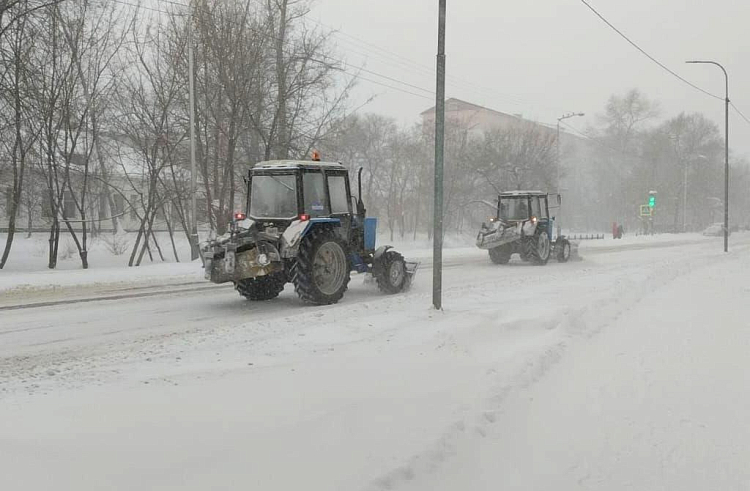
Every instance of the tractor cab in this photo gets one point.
(520, 206)
(287, 191)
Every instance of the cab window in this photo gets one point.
(339, 199)
(314, 194)
(535, 208)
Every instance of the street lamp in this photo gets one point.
(194, 252)
(564, 116)
(437, 229)
(726, 150)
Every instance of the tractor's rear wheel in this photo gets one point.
(390, 273)
(501, 254)
(538, 247)
(563, 251)
(322, 273)
(261, 288)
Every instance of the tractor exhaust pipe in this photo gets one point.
(360, 204)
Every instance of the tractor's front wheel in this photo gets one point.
(501, 254)
(390, 272)
(321, 274)
(261, 288)
(538, 247)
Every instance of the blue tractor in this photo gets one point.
(303, 226)
(523, 225)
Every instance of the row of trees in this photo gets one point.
(607, 171)
(94, 126)
(681, 158)
(94, 109)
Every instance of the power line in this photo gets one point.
(388, 86)
(152, 9)
(648, 55)
(427, 70)
(740, 113)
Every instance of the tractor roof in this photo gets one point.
(297, 164)
(511, 194)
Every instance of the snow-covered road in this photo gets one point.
(530, 377)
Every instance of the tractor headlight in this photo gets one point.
(534, 219)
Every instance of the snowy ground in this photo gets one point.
(624, 370)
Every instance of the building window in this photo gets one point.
(46, 208)
(133, 206)
(174, 215)
(201, 210)
(69, 206)
(8, 200)
(119, 202)
(103, 206)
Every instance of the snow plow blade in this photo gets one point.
(574, 255)
(498, 235)
(411, 271)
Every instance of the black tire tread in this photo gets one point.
(532, 251)
(381, 277)
(501, 254)
(261, 288)
(302, 270)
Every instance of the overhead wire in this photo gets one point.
(739, 112)
(632, 43)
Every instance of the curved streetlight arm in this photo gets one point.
(726, 76)
(726, 149)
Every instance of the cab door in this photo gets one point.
(340, 204)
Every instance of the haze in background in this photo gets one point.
(546, 57)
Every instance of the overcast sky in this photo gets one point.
(541, 58)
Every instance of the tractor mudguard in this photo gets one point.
(381, 250)
(294, 233)
(376, 263)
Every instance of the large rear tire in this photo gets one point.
(390, 273)
(538, 247)
(321, 274)
(501, 254)
(261, 288)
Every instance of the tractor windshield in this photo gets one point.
(514, 209)
(273, 196)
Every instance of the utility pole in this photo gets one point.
(437, 237)
(193, 175)
(684, 197)
(726, 150)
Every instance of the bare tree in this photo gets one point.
(14, 87)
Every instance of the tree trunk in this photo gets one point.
(282, 140)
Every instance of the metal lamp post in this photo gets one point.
(437, 237)
(726, 150)
(193, 174)
(564, 116)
